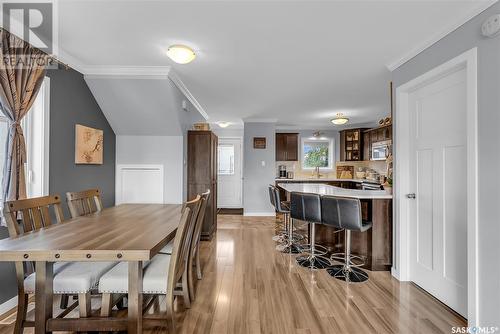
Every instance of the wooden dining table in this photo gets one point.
(129, 232)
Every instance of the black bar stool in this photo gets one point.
(282, 234)
(345, 213)
(307, 207)
(290, 244)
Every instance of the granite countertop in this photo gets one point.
(325, 179)
(324, 189)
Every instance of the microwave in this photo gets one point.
(380, 150)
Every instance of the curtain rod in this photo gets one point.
(66, 66)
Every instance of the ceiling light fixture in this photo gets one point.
(340, 119)
(223, 124)
(181, 54)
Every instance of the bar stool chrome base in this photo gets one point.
(347, 274)
(318, 249)
(354, 260)
(313, 261)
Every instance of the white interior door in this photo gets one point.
(229, 187)
(438, 170)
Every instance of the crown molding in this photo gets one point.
(394, 64)
(182, 87)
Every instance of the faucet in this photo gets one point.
(316, 171)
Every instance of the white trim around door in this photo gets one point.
(401, 270)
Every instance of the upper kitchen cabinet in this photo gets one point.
(351, 145)
(287, 145)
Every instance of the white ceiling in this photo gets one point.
(297, 62)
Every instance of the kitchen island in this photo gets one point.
(374, 245)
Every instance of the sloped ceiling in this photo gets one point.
(140, 106)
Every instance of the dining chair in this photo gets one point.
(75, 278)
(84, 202)
(194, 256)
(81, 203)
(163, 275)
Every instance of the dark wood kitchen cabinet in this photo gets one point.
(202, 175)
(351, 144)
(287, 147)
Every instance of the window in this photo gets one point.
(317, 153)
(36, 133)
(226, 159)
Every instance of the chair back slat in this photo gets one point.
(37, 218)
(45, 214)
(35, 213)
(84, 202)
(26, 220)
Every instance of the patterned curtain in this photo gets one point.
(22, 70)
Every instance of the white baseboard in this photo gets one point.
(8, 305)
(259, 214)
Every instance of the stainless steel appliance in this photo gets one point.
(282, 171)
(289, 175)
(370, 186)
(380, 150)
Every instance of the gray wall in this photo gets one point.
(464, 38)
(71, 102)
(256, 178)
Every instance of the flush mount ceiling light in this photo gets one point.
(181, 54)
(223, 124)
(340, 119)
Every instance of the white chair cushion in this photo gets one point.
(154, 277)
(168, 248)
(116, 280)
(156, 274)
(73, 277)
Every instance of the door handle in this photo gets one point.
(410, 196)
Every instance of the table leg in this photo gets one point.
(135, 297)
(43, 295)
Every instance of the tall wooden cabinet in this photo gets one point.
(202, 175)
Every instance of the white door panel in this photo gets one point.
(229, 190)
(438, 232)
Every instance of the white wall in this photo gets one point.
(227, 132)
(162, 150)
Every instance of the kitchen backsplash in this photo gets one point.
(294, 166)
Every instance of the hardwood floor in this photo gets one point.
(248, 287)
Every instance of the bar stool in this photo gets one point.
(307, 207)
(290, 244)
(280, 237)
(345, 213)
